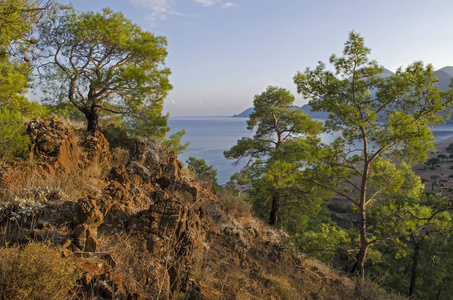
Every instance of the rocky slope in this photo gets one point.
(136, 225)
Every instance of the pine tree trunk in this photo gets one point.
(274, 210)
(414, 267)
(361, 256)
(92, 116)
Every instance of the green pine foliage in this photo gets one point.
(104, 65)
(416, 257)
(13, 140)
(379, 119)
(16, 22)
(14, 82)
(284, 143)
(173, 142)
(202, 171)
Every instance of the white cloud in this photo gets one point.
(206, 2)
(213, 2)
(228, 5)
(160, 9)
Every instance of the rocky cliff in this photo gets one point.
(136, 225)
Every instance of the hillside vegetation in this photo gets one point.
(94, 203)
(103, 217)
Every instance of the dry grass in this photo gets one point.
(282, 287)
(35, 271)
(135, 263)
(74, 185)
(243, 257)
(120, 156)
(236, 203)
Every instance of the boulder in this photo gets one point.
(97, 148)
(172, 234)
(85, 238)
(87, 212)
(54, 143)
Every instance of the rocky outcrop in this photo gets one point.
(146, 198)
(137, 227)
(172, 233)
(97, 150)
(54, 143)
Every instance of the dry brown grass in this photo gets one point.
(35, 271)
(236, 203)
(134, 262)
(74, 185)
(120, 156)
(246, 261)
(268, 268)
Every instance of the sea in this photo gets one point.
(209, 137)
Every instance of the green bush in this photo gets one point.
(202, 171)
(173, 142)
(237, 203)
(339, 207)
(36, 271)
(13, 141)
(115, 133)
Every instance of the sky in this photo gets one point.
(224, 52)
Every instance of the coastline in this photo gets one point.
(442, 144)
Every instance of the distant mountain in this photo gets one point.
(448, 70)
(245, 114)
(306, 109)
(386, 73)
(444, 75)
(314, 114)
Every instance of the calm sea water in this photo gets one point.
(210, 136)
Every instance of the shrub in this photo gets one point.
(202, 171)
(13, 141)
(114, 133)
(339, 207)
(36, 271)
(28, 203)
(120, 156)
(237, 203)
(173, 142)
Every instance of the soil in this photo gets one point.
(444, 169)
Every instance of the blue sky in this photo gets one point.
(223, 52)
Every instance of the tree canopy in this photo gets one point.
(202, 171)
(102, 63)
(281, 132)
(16, 22)
(378, 119)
